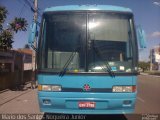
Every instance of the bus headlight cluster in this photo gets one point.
(124, 89)
(49, 88)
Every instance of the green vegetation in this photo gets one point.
(144, 65)
(3, 15)
(153, 72)
(18, 24)
(6, 41)
(6, 35)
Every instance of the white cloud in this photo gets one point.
(155, 34)
(156, 3)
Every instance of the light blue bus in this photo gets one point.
(87, 60)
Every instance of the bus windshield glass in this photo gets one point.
(90, 42)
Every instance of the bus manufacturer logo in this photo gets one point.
(86, 87)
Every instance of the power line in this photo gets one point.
(29, 4)
(39, 9)
(20, 13)
(24, 5)
(32, 8)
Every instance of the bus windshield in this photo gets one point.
(96, 40)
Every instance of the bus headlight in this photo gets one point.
(124, 89)
(56, 88)
(46, 88)
(49, 88)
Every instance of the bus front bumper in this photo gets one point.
(68, 102)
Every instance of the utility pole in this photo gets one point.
(159, 59)
(35, 40)
(151, 53)
(33, 83)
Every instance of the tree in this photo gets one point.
(26, 46)
(19, 24)
(6, 35)
(6, 40)
(144, 65)
(3, 15)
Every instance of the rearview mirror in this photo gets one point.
(32, 33)
(141, 37)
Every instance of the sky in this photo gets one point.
(145, 13)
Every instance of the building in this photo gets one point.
(27, 58)
(15, 68)
(155, 58)
(15, 59)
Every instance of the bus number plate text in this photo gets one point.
(86, 104)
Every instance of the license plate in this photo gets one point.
(86, 104)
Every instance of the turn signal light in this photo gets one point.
(124, 89)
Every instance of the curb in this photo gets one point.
(2, 91)
(149, 75)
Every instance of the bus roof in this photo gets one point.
(88, 7)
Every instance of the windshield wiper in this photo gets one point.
(63, 71)
(109, 69)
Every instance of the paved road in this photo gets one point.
(24, 102)
(148, 100)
